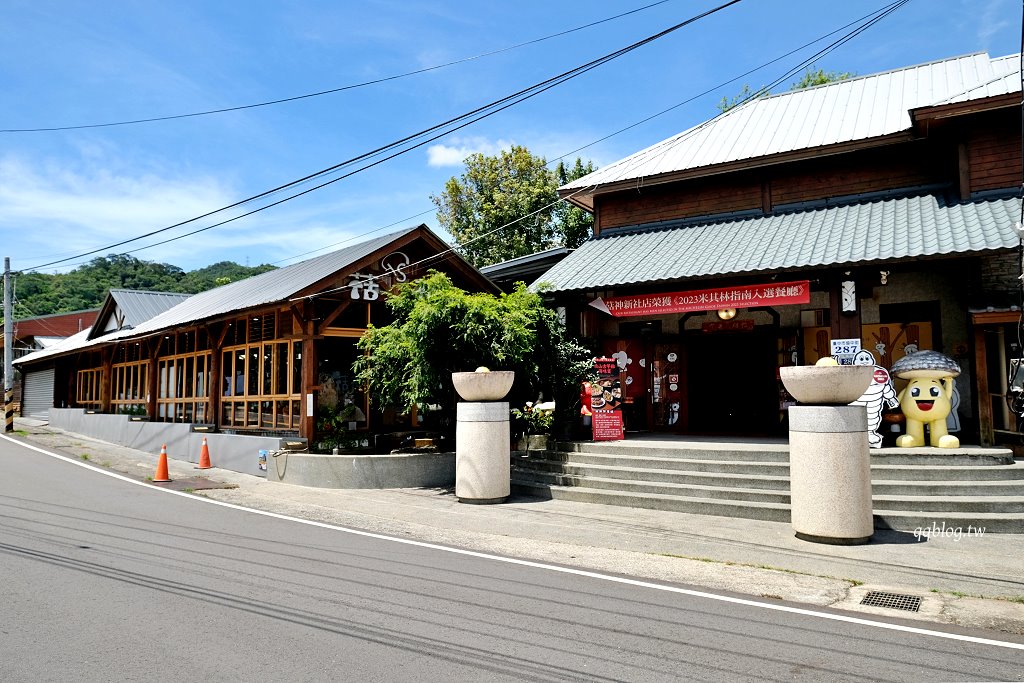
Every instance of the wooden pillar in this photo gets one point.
(964, 168)
(106, 377)
(766, 196)
(986, 425)
(152, 383)
(844, 325)
(215, 333)
(307, 426)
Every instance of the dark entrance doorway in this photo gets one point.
(731, 383)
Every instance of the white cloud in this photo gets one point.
(48, 211)
(455, 153)
(991, 22)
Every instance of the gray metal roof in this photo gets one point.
(266, 288)
(272, 287)
(854, 109)
(881, 230)
(139, 306)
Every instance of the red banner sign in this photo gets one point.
(746, 296)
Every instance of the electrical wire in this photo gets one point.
(651, 154)
(870, 16)
(632, 125)
(445, 254)
(446, 128)
(882, 13)
(334, 90)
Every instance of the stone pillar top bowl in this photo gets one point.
(827, 384)
(483, 386)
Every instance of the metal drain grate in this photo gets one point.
(907, 603)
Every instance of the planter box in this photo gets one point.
(532, 442)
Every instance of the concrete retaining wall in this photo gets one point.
(230, 451)
(405, 470)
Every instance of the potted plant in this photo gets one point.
(531, 426)
(135, 413)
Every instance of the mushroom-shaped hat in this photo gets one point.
(925, 364)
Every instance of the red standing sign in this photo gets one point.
(606, 401)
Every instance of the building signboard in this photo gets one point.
(744, 296)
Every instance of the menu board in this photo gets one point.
(606, 401)
(607, 425)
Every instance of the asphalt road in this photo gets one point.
(105, 579)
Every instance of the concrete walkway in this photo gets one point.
(966, 578)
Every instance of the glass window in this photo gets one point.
(201, 376)
(254, 371)
(268, 369)
(239, 388)
(281, 369)
(189, 377)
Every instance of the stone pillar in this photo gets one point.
(830, 474)
(482, 454)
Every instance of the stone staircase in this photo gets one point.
(912, 488)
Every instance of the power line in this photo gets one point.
(880, 12)
(333, 90)
(871, 21)
(886, 9)
(721, 85)
(630, 163)
(446, 128)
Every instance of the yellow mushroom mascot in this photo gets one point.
(928, 398)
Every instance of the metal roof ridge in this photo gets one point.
(146, 291)
(876, 74)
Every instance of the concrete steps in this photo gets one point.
(913, 488)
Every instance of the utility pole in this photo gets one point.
(8, 349)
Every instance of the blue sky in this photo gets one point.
(66, 63)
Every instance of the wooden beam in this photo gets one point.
(106, 376)
(996, 318)
(217, 333)
(216, 387)
(152, 383)
(964, 168)
(307, 425)
(981, 390)
(338, 310)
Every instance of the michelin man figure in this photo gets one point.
(878, 395)
(928, 398)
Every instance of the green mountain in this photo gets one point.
(86, 286)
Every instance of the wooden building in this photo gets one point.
(877, 212)
(251, 357)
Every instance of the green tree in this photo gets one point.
(811, 78)
(727, 103)
(504, 206)
(573, 223)
(440, 329)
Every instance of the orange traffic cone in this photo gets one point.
(204, 457)
(161, 466)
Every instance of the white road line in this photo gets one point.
(549, 567)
